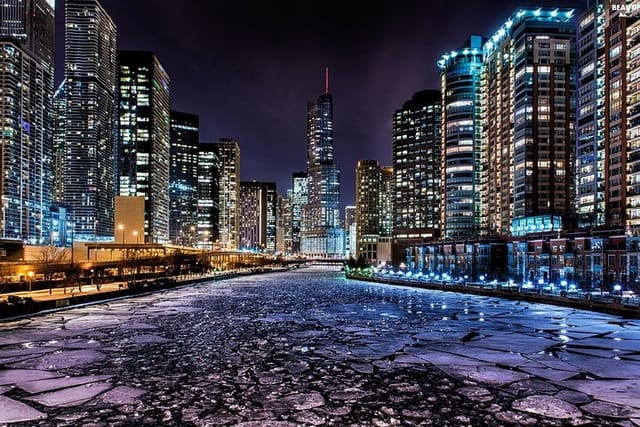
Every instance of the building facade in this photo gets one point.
(373, 225)
(59, 134)
(143, 138)
(350, 231)
(299, 198)
(228, 198)
(183, 178)
(90, 73)
(460, 72)
(283, 227)
(26, 112)
(416, 171)
(207, 228)
(528, 110)
(258, 210)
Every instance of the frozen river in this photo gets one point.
(309, 347)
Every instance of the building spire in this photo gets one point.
(326, 80)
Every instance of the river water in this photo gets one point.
(309, 347)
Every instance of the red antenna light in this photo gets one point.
(326, 80)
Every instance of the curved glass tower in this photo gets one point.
(460, 73)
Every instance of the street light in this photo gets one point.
(30, 274)
(135, 234)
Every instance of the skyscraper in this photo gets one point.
(607, 158)
(228, 197)
(90, 72)
(299, 198)
(59, 135)
(183, 178)
(143, 138)
(631, 55)
(208, 202)
(528, 108)
(416, 171)
(373, 195)
(460, 72)
(32, 23)
(283, 228)
(26, 76)
(321, 234)
(350, 231)
(258, 209)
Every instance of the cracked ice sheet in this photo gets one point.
(12, 411)
(517, 343)
(623, 392)
(608, 343)
(65, 359)
(14, 376)
(122, 395)
(440, 358)
(605, 368)
(506, 358)
(72, 396)
(484, 373)
(38, 386)
(93, 322)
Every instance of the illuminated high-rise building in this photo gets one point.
(258, 210)
(321, 234)
(26, 112)
(225, 194)
(528, 109)
(299, 198)
(608, 142)
(143, 138)
(416, 171)
(283, 227)
(208, 189)
(59, 135)
(373, 195)
(460, 72)
(350, 231)
(90, 72)
(628, 107)
(183, 178)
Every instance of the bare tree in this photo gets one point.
(52, 260)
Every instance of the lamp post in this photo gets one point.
(135, 234)
(30, 274)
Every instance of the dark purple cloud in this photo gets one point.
(249, 67)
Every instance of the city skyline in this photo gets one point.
(258, 76)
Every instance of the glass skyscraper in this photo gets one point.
(143, 138)
(183, 178)
(26, 112)
(321, 235)
(460, 72)
(90, 72)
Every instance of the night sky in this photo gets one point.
(248, 68)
